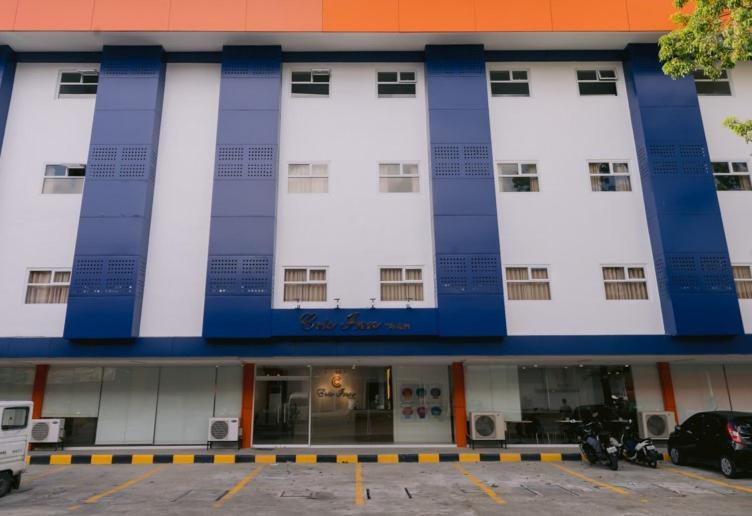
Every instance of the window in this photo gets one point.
(48, 287)
(304, 284)
(398, 178)
(313, 82)
(308, 178)
(708, 86)
(597, 82)
(78, 83)
(528, 284)
(625, 283)
(509, 83)
(743, 281)
(396, 84)
(609, 177)
(15, 418)
(64, 179)
(732, 175)
(518, 177)
(401, 284)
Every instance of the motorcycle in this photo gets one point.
(636, 450)
(599, 446)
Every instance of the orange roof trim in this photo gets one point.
(337, 15)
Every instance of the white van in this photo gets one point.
(15, 429)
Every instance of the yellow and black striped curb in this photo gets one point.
(239, 458)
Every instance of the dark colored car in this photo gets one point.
(718, 439)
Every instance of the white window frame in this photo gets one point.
(529, 279)
(598, 79)
(627, 279)
(500, 175)
(611, 163)
(730, 172)
(720, 79)
(60, 83)
(308, 281)
(311, 175)
(511, 80)
(403, 281)
(402, 175)
(67, 166)
(312, 71)
(52, 283)
(742, 280)
(399, 81)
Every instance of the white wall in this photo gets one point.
(736, 207)
(566, 226)
(40, 230)
(179, 239)
(647, 386)
(354, 229)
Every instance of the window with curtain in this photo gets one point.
(398, 178)
(48, 287)
(528, 284)
(63, 179)
(401, 284)
(623, 283)
(731, 175)
(743, 281)
(305, 285)
(609, 177)
(518, 177)
(308, 178)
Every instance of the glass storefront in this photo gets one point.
(351, 405)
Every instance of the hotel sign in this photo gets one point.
(352, 322)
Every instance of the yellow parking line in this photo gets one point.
(118, 488)
(480, 485)
(359, 485)
(47, 473)
(599, 483)
(711, 480)
(237, 487)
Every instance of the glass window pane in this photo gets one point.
(398, 184)
(539, 273)
(310, 89)
(299, 170)
(613, 273)
(63, 185)
(62, 277)
(621, 168)
(40, 276)
(90, 78)
(636, 273)
(597, 88)
(76, 171)
(387, 76)
(413, 274)
(70, 77)
(320, 169)
(318, 275)
(740, 167)
(407, 76)
(320, 77)
(720, 167)
(410, 169)
(529, 168)
(55, 170)
(509, 169)
(407, 89)
(389, 169)
(500, 75)
(607, 74)
(520, 75)
(301, 76)
(587, 75)
(391, 274)
(713, 88)
(517, 89)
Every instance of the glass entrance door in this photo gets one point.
(281, 410)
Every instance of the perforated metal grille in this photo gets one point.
(121, 162)
(695, 274)
(478, 274)
(461, 160)
(251, 67)
(107, 276)
(239, 275)
(246, 161)
(674, 159)
(128, 67)
(40, 431)
(219, 429)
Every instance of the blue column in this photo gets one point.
(241, 243)
(468, 261)
(113, 232)
(7, 74)
(693, 269)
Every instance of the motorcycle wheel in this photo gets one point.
(653, 459)
(589, 454)
(613, 462)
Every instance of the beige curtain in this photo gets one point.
(46, 288)
(296, 288)
(520, 289)
(394, 289)
(305, 178)
(743, 280)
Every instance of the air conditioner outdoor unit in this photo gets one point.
(656, 424)
(223, 429)
(49, 431)
(487, 426)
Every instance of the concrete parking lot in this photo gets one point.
(535, 488)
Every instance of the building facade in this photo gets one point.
(350, 222)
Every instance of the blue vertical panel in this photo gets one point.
(7, 74)
(693, 268)
(241, 243)
(468, 261)
(113, 233)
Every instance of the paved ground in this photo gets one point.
(437, 489)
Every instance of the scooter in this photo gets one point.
(638, 451)
(598, 446)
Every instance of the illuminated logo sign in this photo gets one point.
(311, 321)
(336, 381)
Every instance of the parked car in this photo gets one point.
(15, 418)
(719, 439)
